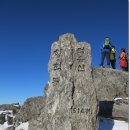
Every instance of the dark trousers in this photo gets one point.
(127, 68)
(124, 69)
(113, 64)
(107, 55)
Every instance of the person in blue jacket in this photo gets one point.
(105, 52)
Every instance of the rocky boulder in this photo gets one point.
(71, 102)
(8, 112)
(11, 128)
(75, 90)
(31, 109)
(10, 120)
(2, 119)
(110, 83)
(15, 107)
(121, 109)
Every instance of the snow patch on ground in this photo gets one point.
(16, 105)
(109, 124)
(4, 126)
(105, 124)
(22, 126)
(120, 99)
(7, 112)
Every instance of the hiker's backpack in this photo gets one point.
(123, 61)
(106, 46)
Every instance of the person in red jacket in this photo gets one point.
(123, 60)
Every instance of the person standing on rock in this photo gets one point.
(113, 57)
(123, 60)
(105, 52)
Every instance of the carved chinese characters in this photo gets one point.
(57, 65)
(81, 59)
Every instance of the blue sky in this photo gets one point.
(29, 27)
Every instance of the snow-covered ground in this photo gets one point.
(109, 124)
(22, 126)
(105, 124)
(4, 126)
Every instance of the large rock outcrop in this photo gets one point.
(110, 83)
(74, 91)
(71, 102)
(30, 110)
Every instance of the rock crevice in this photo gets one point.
(73, 90)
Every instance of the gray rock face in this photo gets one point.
(10, 120)
(2, 119)
(71, 102)
(30, 110)
(15, 107)
(7, 111)
(110, 83)
(121, 109)
(10, 128)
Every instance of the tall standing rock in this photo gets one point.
(71, 102)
